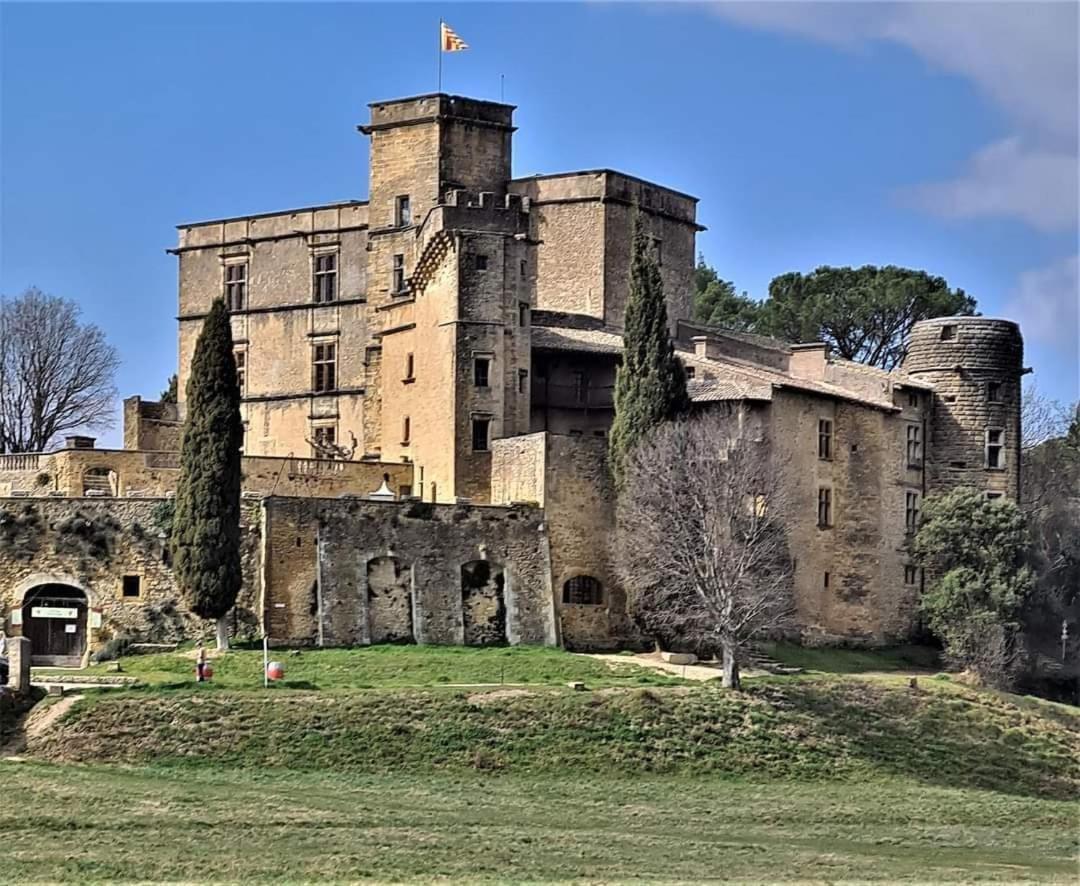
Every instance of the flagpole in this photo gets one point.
(439, 53)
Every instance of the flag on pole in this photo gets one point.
(449, 41)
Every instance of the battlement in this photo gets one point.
(435, 107)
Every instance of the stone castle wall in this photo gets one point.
(975, 365)
(357, 572)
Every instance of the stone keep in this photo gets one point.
(975, 365)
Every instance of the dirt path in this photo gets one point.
(699, 671)
(36, 722)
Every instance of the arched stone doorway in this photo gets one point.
(54, 619)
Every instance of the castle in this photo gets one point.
(427, 383)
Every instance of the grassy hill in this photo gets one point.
(821, 777)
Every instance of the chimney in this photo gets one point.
(808, 361)
(79, 442)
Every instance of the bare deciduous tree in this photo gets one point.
(701, 536)
(56, 373)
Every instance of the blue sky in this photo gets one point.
(939, 136)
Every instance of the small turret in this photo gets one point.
(975, 365)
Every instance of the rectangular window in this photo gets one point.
(480, 427)
(410, 367)
(994, 496)
(398, 281)
(825, 583)
(914, 446)
(324, 436)
(402, 211)
(481, 371)
(324, 368)
(824, 506)
(911, 511)
(690, 372)
(480, 262)
(948, 332)
(913, 399)
(236, 286)
(658, 250)
(324, 283)
(824, 438)
(995, 448)
(241, 371)
(911, 575)
(575, 432)
(404, 492)
(406, 431)
(523, 313)
(600, 433)
(993, 392)
(524, 267)
(523, 380)
(131, 586)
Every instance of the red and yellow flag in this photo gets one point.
(450, 41)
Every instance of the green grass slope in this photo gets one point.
(806, 729)
(84, 824)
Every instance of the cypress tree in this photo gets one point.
(650, 386)
(206, 523)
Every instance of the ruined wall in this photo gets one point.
(133, 474)
(92, 545)
(152, 426)
(322, 586)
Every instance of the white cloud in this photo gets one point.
(1045, 302)
(1007, 178)
(1023, 56)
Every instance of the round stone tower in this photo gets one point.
(973, 424)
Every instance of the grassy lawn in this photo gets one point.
(201, 823)
(388, 667)
(829, 660)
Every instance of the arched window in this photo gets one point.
(583, 590)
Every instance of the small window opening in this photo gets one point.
(993, 392)
(948, 332)
(911, 511)
(824, 446)
(482, 372)
(325, 278)
(398, 280)
(406, 431)
(583, 590)
(911, 574)
(132, 586)
(410, 367)
(403, 211)
(480, 262)
(995, 448)
(480, 428)
(236, 286)
(824, 507)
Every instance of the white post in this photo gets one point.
(266, 660)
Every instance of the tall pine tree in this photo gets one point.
(206, 523)
(650, 386)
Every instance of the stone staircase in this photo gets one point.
(757, 658)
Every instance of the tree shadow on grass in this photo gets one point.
(951, 737)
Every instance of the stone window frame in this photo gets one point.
(914, 443)
(319, 434)
(324, 374)
(474, 419)
(912, 510)
(479, 262)
(487, 359)
(825, 439)
(913, 400)
(523, 381)
(240, 358)
(824, 507)
(234, 286)
(137, 596)
(399, 284)
(325, 267)
(402, 211)
(998, 448)
(583, 581)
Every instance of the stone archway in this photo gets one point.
(55, 619)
